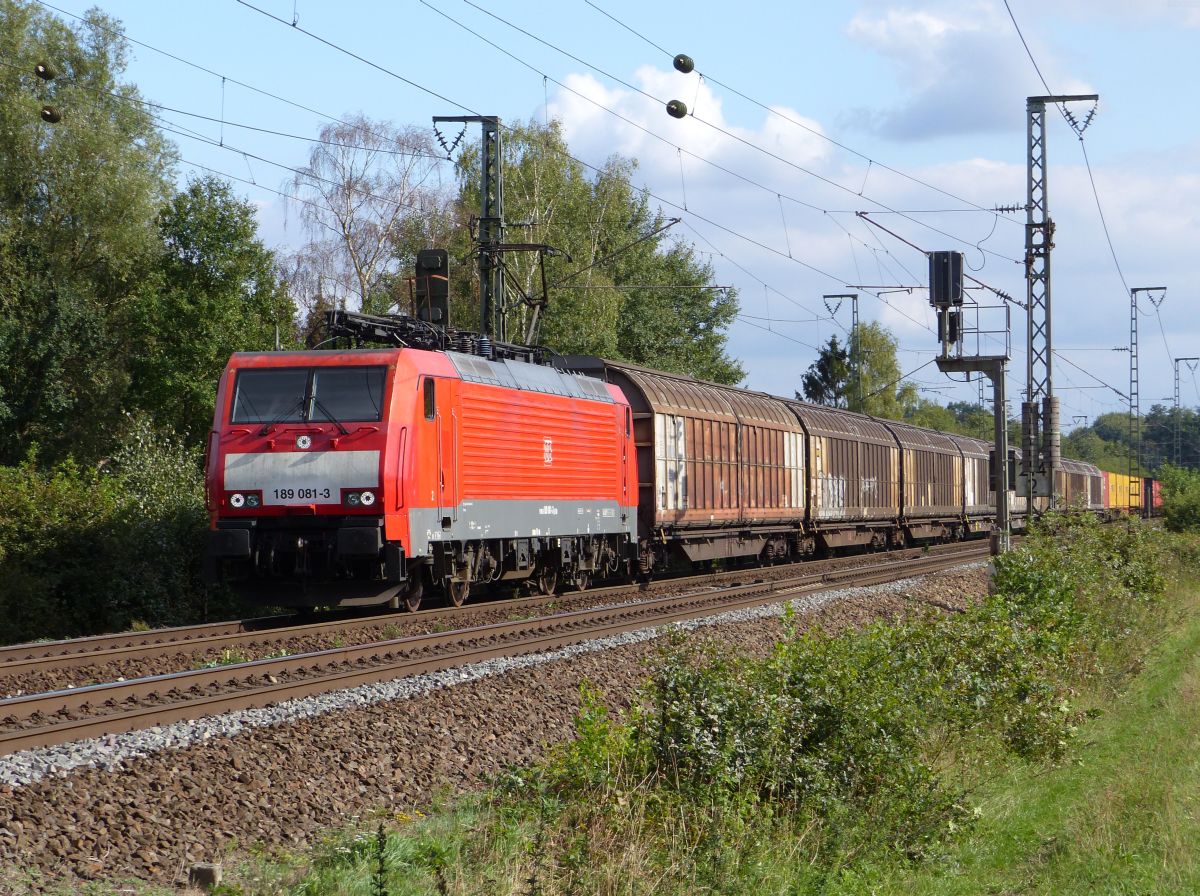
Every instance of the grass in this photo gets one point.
(1120, 815)
(1124, 818)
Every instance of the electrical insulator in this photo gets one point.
(677, 109)
(45, 72)
(50, 115)
(683, 63)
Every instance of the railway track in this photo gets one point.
(58, 717)
(268, 633)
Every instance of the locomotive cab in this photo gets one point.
(294, 478)
(361, 477)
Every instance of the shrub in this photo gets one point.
(90, 550)
(1181, 498)
(864, 742)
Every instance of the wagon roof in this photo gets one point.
(918, 437)
(972, 446)
(1079, 466)
(670, 393)
(838, 423)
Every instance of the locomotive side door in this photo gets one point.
(446, 422)
(628, 427)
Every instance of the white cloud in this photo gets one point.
(1150, 201)
(958, 69)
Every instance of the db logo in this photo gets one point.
(548, 451)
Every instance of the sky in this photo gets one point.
(801, 117)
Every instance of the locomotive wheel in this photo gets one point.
(547, 580)
(583, 580)
(458, 592)
(411, 595)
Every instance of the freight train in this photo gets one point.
(378, 475)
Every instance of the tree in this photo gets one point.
(214, 291)
(871, 386)
(877, 376)
(1181, 498)
(931, 415)
(828, 377)
(619, 287)
(78, 202)
(973, 420)
(370, 192)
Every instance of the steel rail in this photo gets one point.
(346, 667)
(21, 659)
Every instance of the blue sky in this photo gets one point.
(934, 89)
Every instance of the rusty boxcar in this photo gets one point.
(721, 469)
(853, 477)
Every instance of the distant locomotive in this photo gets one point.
(374, 475)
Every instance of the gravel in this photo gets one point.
(148, 803)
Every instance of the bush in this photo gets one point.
(1181, 498)
(862, 743)
(90, 550)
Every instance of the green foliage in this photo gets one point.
(1181, 498)
(1080, 586)
(214, 292)
(625, 291)
(827, 378)
(78, 202)
(863, 743)
(960, 417)
(863, 376)
(1106, 441)
(839, 763)
(84, 550)
(878, 377)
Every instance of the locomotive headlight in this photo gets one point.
(368, 498)
(353, 498)
(237, 499)
(252, 500)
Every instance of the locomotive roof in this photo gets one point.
(471, 368)
(528, 377)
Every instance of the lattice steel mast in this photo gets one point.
(492, 318)
(1039, 411)
(1135, 408)
(1178, 411)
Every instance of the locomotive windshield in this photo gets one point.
(308, 394)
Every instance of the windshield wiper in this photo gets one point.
(267, 427)
(332, 419)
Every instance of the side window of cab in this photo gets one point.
(430, 397)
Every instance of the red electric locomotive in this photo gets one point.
(368, 476)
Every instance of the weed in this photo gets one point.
(230, 656)
(379, 878)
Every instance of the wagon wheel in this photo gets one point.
(411, 594)
(547, 580)
(583, 579)
(458, 592)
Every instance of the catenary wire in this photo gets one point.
(272, 162)
(718, 128)
(815, 132)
